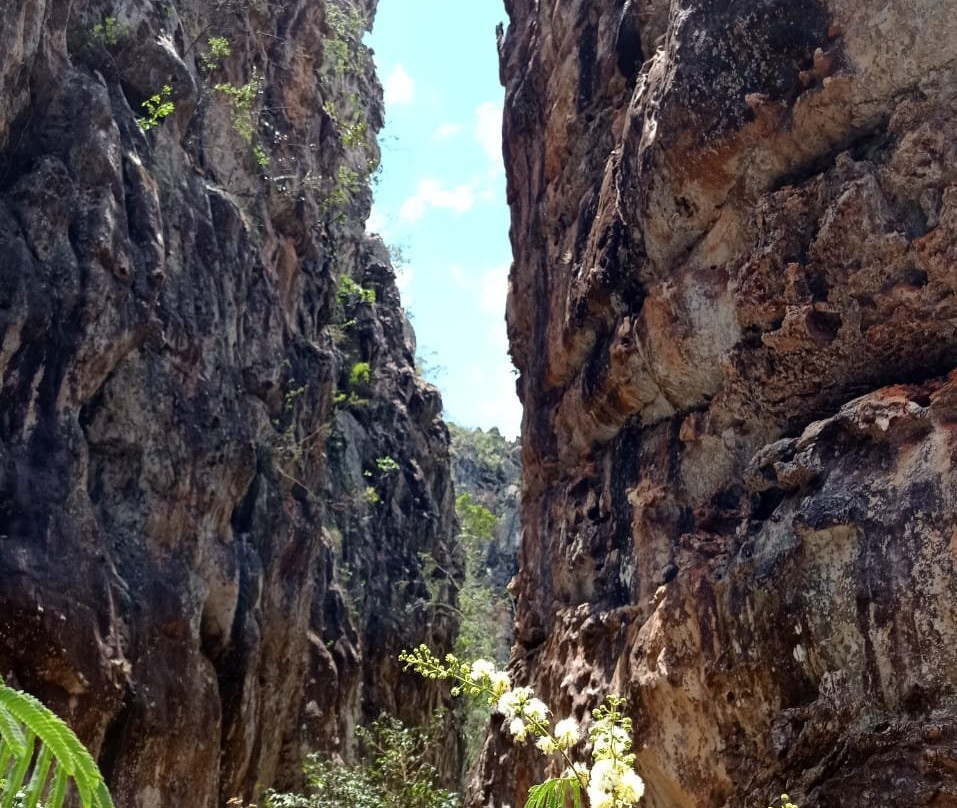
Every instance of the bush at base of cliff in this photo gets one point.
(485, 613)
(482, 633)
(391, 772)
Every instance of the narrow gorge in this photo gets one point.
(226, 491)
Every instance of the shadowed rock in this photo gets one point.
(192, 568)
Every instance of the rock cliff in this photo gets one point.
(734, 310)
(219, 473)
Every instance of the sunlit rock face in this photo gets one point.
(219, 473)
(734, 310)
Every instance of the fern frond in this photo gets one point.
(24, 720)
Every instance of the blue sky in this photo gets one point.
(441, 197)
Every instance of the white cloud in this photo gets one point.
(493, 290)
(447, 130)
(458, 276)
(376, 221)
(399, 88)
(413, 208)
(497, 336)
(476, 377)
(488, 290)
(403, 279)
(500, 406)
(488, 194)
(432, 194)
(488, 130)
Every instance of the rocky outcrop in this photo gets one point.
(488, 467)
(208, 408)
(734, 310)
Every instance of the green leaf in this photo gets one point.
(554, 792)
(15, 779)
(101, 796)
(576, 787)
(11, 732)
(39, 777)
(6, 760)
(66, 747)
(550, 794)
(23, 717)
(58, 794)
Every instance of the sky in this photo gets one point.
(440, 197)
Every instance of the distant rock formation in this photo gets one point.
(488, 467)
(734, 311)
(219, 472)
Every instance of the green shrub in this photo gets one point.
(483, 633)
(477, 522)
(219, 49)
(345, 188)
(343, 47)
(386, 464)
(391, 771)
(157, 108)
(260, 156)
(109, 32)
(241, 100)
(349, 291)
(360, 375)
(245, 116)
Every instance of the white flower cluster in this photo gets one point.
(610, 783)
(613, 781)
(484, 672)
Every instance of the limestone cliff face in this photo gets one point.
(734, 310)
(218, 469)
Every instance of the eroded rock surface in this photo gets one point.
(734, 310)
(207, 563)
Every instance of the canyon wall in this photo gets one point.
(219, 472)
(734, 311)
